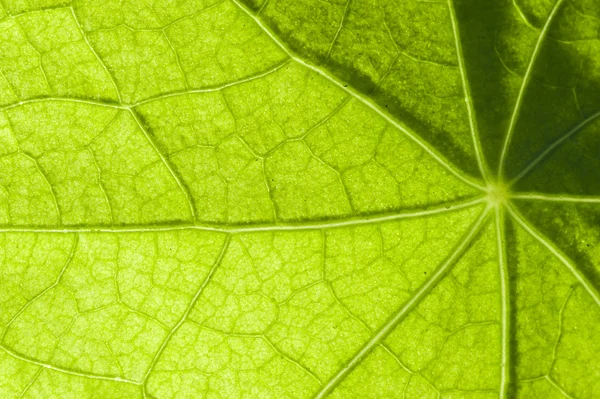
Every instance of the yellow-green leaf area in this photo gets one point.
(299, 199)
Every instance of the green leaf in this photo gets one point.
(299, 199)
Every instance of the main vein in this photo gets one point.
(556, 198)
(406, 308)
(505, 295)
(524, 85)
(467, 93)
(248, 228)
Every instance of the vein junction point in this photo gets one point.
(497, 194)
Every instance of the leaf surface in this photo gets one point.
(299, 199)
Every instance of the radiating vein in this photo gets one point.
(249, 228)
(553, 146)
(524, 85)
(505, 295)
(556, 198)
(406, 308)
(345, 87)
(556, 252)
(467, 93)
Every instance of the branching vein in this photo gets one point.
(526, 80)
(64, 370)
(556, 252)
(187, 311)
(405, 130)
(405, 309)
(110, 76)
(553, 146)
(167, 165)
(339, 29)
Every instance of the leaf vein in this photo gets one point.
(524, 86)
(553, 146)
(248, 228)
(167, 164)
(467, 93)
(23, 358)
(186, 313)
(587, 285)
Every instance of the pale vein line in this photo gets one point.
(166, 163)
(187, 311)
(214, 88)
(99, 178)
(551, 148)
(56, 282)
(467, 93)
(339, 29)
(524, 84)
(329, 286)
(248, 228)
(558, 387)
(560, 329)
(66, 371)
(555, 198)
(47, 181)
(41, 65)
(405, 309)
(393, 355)
(28, 12)
(261, 9)
(289, 359)
(63, 99)
(359, 97)
(523, 17)
(10, 86)
(35, 377)
(176, 54)
(556, 252)
(112, 80)
(151, 99)
(505, 300)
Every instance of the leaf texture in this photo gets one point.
(299, 199)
